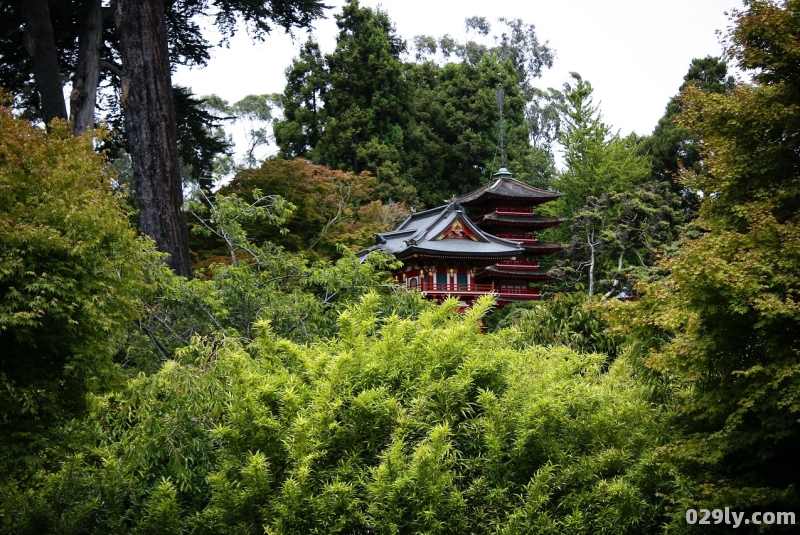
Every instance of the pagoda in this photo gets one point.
(445, 252)
(442, 252)
(506, 208)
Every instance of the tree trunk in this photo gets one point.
(87, 71)
(146, 96)
(41, 46)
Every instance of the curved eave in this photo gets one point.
(508, 188)
(516, 274)
(519, 222)
(417, 252)
(494, 196)
(543, 248)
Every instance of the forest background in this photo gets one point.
(287, 387)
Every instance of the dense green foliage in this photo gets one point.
(394, 426)
(365, 97)
(725, 323)
(86, 40)
(567, 320)
(453, 144)
(671, 147)
(275, 394)
(426, 130)
(257, 281)
(596, 160)
(618, 237)
(71, 276)
(331, 208)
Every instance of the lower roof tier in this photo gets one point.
(503, 272)
(540, 248)
(495, 219)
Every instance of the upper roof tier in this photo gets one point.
(505, 186)
(443, 232)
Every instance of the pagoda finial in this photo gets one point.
(501, 99)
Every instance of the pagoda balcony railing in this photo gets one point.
(519, 264)
(529, 292)
(471, 288)
(518, 236)
(478, 289)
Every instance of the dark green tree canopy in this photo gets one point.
(72, 274)
(725, 323)
(453, 142)
(303, 104)
(350, 109)
(429, 129)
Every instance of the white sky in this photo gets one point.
(634, 52)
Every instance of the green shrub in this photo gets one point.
(71, 276)
(567, 320)
(395, 426)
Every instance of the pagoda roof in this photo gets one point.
(445, 231)
(538, 221)
(543, 248)
(495, 271)
(504, 186)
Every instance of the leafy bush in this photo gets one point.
(567, 320)
(395, 426)
(71, 277)
(257, 282)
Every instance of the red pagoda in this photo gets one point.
(482, 242)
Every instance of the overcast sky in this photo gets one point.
(634, 52)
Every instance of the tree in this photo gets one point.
(303, 104)
(452, 145)
(40, 45)
(354, 107)
(149, 38)
(436, 135)
(151, 128)
(672, 148)
(368, 96)
(590, 237)
(72, 274)
(201, 139)
(518, 44)
(725, 324)
(596, 160)
(637, 226)
(331, 207)
(544, 126)
(254, 114)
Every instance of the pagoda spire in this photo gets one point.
(501, 99)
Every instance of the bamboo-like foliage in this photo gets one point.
(396, 426)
